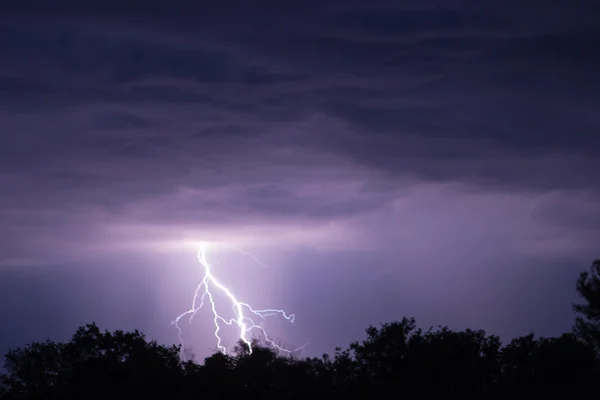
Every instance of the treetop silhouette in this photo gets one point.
(397, 356)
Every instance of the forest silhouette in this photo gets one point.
(396, 359)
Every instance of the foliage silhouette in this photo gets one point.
(396, 357)
(101, 362)
(587, 324)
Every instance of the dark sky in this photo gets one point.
(432, 159)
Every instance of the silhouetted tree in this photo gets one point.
(400, 356)
(548, 366)
(93, 362)
(587, 324)
(3, 388)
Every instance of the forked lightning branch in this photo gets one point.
(246, 319)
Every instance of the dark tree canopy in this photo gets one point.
(92, 362)
(587, 324)
(396, 357)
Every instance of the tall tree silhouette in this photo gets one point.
(587, 324)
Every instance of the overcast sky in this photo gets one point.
(381, 158)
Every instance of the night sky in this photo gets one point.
(435, 159)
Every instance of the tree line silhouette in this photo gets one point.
(396, 359)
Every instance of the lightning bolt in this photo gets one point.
(245, 253)
(242, 310)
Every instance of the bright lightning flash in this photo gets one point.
(242, 320)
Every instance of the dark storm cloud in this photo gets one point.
(167, 94)
(16, 85)
(120, 120)
(461, 73)
(127, 58)
(468, 93)
(398, 21)
(583, 213)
